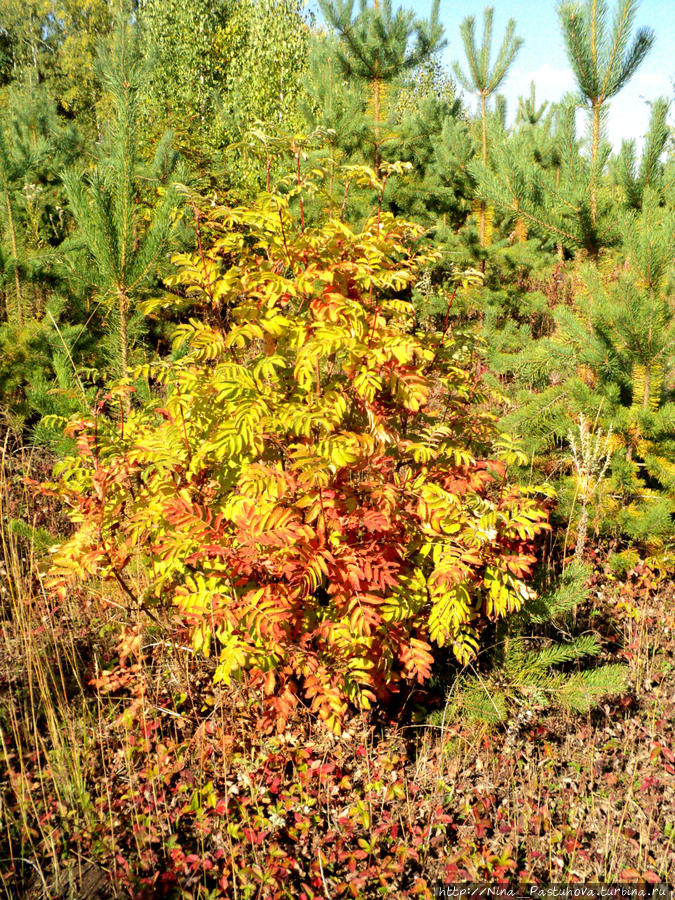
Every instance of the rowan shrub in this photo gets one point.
(316, 484)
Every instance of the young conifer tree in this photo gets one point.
(484, 77)
(547, 184)
(609, 360)
(13, 257)
(123, 237)
(560, 671)
(603, 60)
(34, 146)
(334, 106)
(649, 173)
(428, 109)
(378, 46)
(528, 111)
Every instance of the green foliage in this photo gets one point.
(483, 80)
(54, 43)
(79, 26)
(603, 60)
(183, 41)
(124, 239)
(38, 379)
(380, 44)
(485, 75)
(218, 70)
(38, 539)
(414, 109)
(434, 190)
(621, 563)
(266, 46)
(541, 178)
(33, 147)
(610, 360)
(335, 108)
(377, 48)
(528, 111)
(531, 675)
(347, 131)
(649, 174)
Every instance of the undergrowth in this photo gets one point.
(127, 773)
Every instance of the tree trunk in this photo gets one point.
(376, 123)
(483, 116)
(595, 149)
(482, 230)
(17, 279)
(647, 387)
(123, 311)
(521, 229)
(376, 111)
(331, 177)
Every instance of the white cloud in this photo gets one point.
(630, 110)
(551, 82)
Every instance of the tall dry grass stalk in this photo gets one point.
(45, 726)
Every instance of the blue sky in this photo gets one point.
(542, 56)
